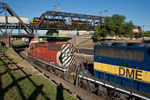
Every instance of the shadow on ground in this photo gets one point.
(8, 70)
(59, 92)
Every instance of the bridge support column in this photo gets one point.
(19, 30)
(77, 33)
(4, 39)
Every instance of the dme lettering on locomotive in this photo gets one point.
(130, 73)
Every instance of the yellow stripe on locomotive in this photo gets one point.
(131, 73)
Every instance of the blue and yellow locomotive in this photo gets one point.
(124, 64)
(123, 67)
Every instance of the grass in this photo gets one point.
(19, 42)
(16, 83)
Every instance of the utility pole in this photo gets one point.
(105, 13)
(56, 7)
(143, 30)
(101, 15)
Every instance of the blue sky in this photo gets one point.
(135, 10)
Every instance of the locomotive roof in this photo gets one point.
(122, 44)
(55, 38)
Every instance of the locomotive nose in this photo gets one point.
(67, 55)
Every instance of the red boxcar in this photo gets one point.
(60, 54)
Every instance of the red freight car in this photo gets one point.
(58, 54)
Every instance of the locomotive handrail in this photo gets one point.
(49, 64)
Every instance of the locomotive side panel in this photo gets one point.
(122, 65)
(52, 52)
(60, 54)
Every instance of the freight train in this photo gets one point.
(12, 19)
(59, 55)
(124, 67)
(35, 20)
(80, 23)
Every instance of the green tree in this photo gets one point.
(146, 34)
(98, 33)
(109, 26)
(105, 29)
(114, 25)
(119, 22)
(128, 29)
(50, 32)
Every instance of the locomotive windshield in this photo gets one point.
(118, 53)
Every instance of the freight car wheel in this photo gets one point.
(65, 75)
(124, 97)
(48, 68)
(83, 84)
(118, 96)
(59, 73)
(102, 91)
(136, 98)
(91, 87)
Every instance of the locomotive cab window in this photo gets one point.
(118, 53)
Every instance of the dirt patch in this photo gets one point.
(80, 59)
(88, 42)
(20, 62)
(82, 42)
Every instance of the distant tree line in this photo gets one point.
(114, 26)
(142, 34)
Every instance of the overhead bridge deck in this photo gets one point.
(48, 27)
(41, 25)
(89, 22)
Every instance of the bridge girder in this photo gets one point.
(4, 6)
(52, 15)
(64, 15)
